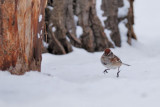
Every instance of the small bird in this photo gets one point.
(111, 61)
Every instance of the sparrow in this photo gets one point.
(111, 61)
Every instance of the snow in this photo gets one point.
(75, 19)
(79, 31)
(50, 7)
(67, 38)
(41, 32)
(53, 29)
(38, 35)
(108, 32)
(123, 31)
(123, 11)
(40, 18)
(100, 12)
(76, 79)
(45, 44)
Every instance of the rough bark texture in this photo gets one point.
(21, 33)
(93, 37)
(110, 8)
(61, 18)
(58, 44)
(130, 23)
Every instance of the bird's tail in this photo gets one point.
(126, 64)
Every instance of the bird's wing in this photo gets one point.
(115, 59)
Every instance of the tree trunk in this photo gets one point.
(57, 25)
(21, 30)
(65, 17)
(130, 23)
(110, 8)
(93, 37)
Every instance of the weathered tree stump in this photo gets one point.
(61, 21)
(110, 8)
(21, 30)
(130, 23)
(65, 17)
(93, 37)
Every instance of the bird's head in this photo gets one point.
(107, 51)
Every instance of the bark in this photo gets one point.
(110, 8)
(93, 37)
(21, 30)
(58, 18)
(66, 15)
(130, 23)
(62, 17)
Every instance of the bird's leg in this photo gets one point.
(105, 71)
(118, 72)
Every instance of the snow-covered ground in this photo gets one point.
(76, 79)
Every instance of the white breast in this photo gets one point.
(105, 62)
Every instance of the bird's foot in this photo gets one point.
(105, 71)
(118, 73)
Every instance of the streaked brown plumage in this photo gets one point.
(111, 61)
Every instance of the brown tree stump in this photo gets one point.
(131, 34)
(64, 17)
(110, 8)
(21, 30)
(57, 26)
(93, 37)
(60, 15)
